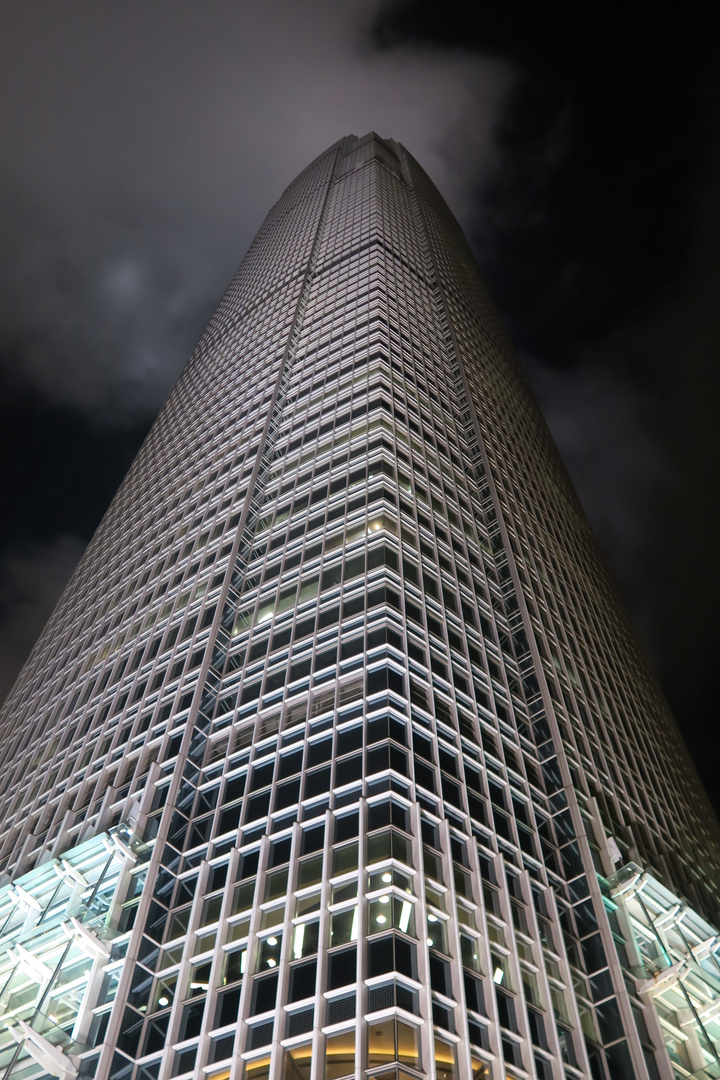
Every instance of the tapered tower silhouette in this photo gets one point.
(337, 757)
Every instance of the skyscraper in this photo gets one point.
(337, 757)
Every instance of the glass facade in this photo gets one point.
(337, 757)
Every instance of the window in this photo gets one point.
(340, 1055)
(393, 1040)
(258, 1068)
(391, 911)
(392, 954)
(437, 933)
(305, 940)
(297, 1063)
(389, 845)
(302, 981)
(310, 872)
(445, 1060)
(474, 998)
(227, 1007)
(234, 970)
(344, 926)
(264, 994)
(269, 952)
(342, 967)
(276, 884)
(345, 859)
(506, 1010)
(389, 813)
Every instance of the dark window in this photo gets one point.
(313, 839)
(234, 788)
(233, 970)
(262, 776)
(258, 806)
(191, 1020)
(227, 1007)
(348, 769)
(537, 1029)
(230, 818)
(342, 968)
(218, 877)
(506, 1010)
(431, 835)
(326, 658)
(130, 1031)
(290, 764)
(608, 1015)
(385, 678)
(448, 761)
(593, 954)
(440, 975)
(474, 993)
(287, 794)
(317, 783)
(424, 775)
(381, 956)
(423, 746)
(386, 727)
(319, 751)
(346, 827)
(459, 851)
(389, 813)
(248, 865)
(302, 981)
(392, 954)
(156, 1034)
(386, 756)
(280, 852)
(264, 994)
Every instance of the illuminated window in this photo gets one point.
(392, 1041)
(340, 1055)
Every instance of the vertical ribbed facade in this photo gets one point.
(337, 757)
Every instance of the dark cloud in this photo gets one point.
(143, 144)
(60, 471)
(60, 467)
(599, 420)
(30, 586)
(611, 120)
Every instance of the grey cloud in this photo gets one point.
(142, 145)
(30, 585)
(603, 425)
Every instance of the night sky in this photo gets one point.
(579, 145)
